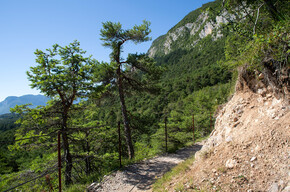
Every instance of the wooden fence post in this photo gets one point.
(165, 122)
(193, 126)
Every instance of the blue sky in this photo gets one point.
(27, 25)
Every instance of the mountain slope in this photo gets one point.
(195, 26)
(192, 49)
(12, 101)
(249, 148)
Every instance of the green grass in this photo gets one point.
(76, 188)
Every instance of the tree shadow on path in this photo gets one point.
(144, 174)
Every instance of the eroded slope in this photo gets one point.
(249, 148)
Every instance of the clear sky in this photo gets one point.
(27, 25)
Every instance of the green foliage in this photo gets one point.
(76, 188)
(202, 104)
(196, 81)
(137, 73)
(112, 33)
(7, 121)
(8, 128)
(275, 9)
(264, 50)
(67, 76)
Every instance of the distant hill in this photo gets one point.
(12, 101)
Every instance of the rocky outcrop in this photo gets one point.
(197, 30)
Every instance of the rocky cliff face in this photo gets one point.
(191, 32)
(249, 147)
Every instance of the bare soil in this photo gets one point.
(249, 149)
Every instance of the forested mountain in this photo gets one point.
(184, 78)
(192, 83)
(12, 101)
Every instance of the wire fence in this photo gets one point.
(45, 176)
(45, 173)
(30, 176)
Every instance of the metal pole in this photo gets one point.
(165, 122)
(59, 161)
(120, 144)
(193, 126)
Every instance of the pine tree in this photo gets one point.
(137, 72)
(64, 75)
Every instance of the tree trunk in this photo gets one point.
(67, 158)
(125, 116)
(67, 155)
(88, 163)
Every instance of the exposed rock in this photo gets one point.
(229, 139)
(256, 149)
(207, 30)
(231, 163)
(201, 27)
(152, 51)
(286, 189)
(274, 188)
(261, 76)
(253, 159)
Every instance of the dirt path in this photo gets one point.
(141, 176)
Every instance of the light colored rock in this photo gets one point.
(274, 188)
(257, 148)
(231, 163)
(189, 25)
(286, 189)
(261, 76)
(207, 30)
(253, 159)
(229, 139)
(152, 51)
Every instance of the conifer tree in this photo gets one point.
(137, 72)
(64, 74)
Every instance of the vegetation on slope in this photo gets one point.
(262, 51)
(196, 81)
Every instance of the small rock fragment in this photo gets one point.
(274, 188)
(231, 163)
(261, 76)
(253, 159)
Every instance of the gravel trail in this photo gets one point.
(140, 176)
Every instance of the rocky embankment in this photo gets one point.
(249, 148)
